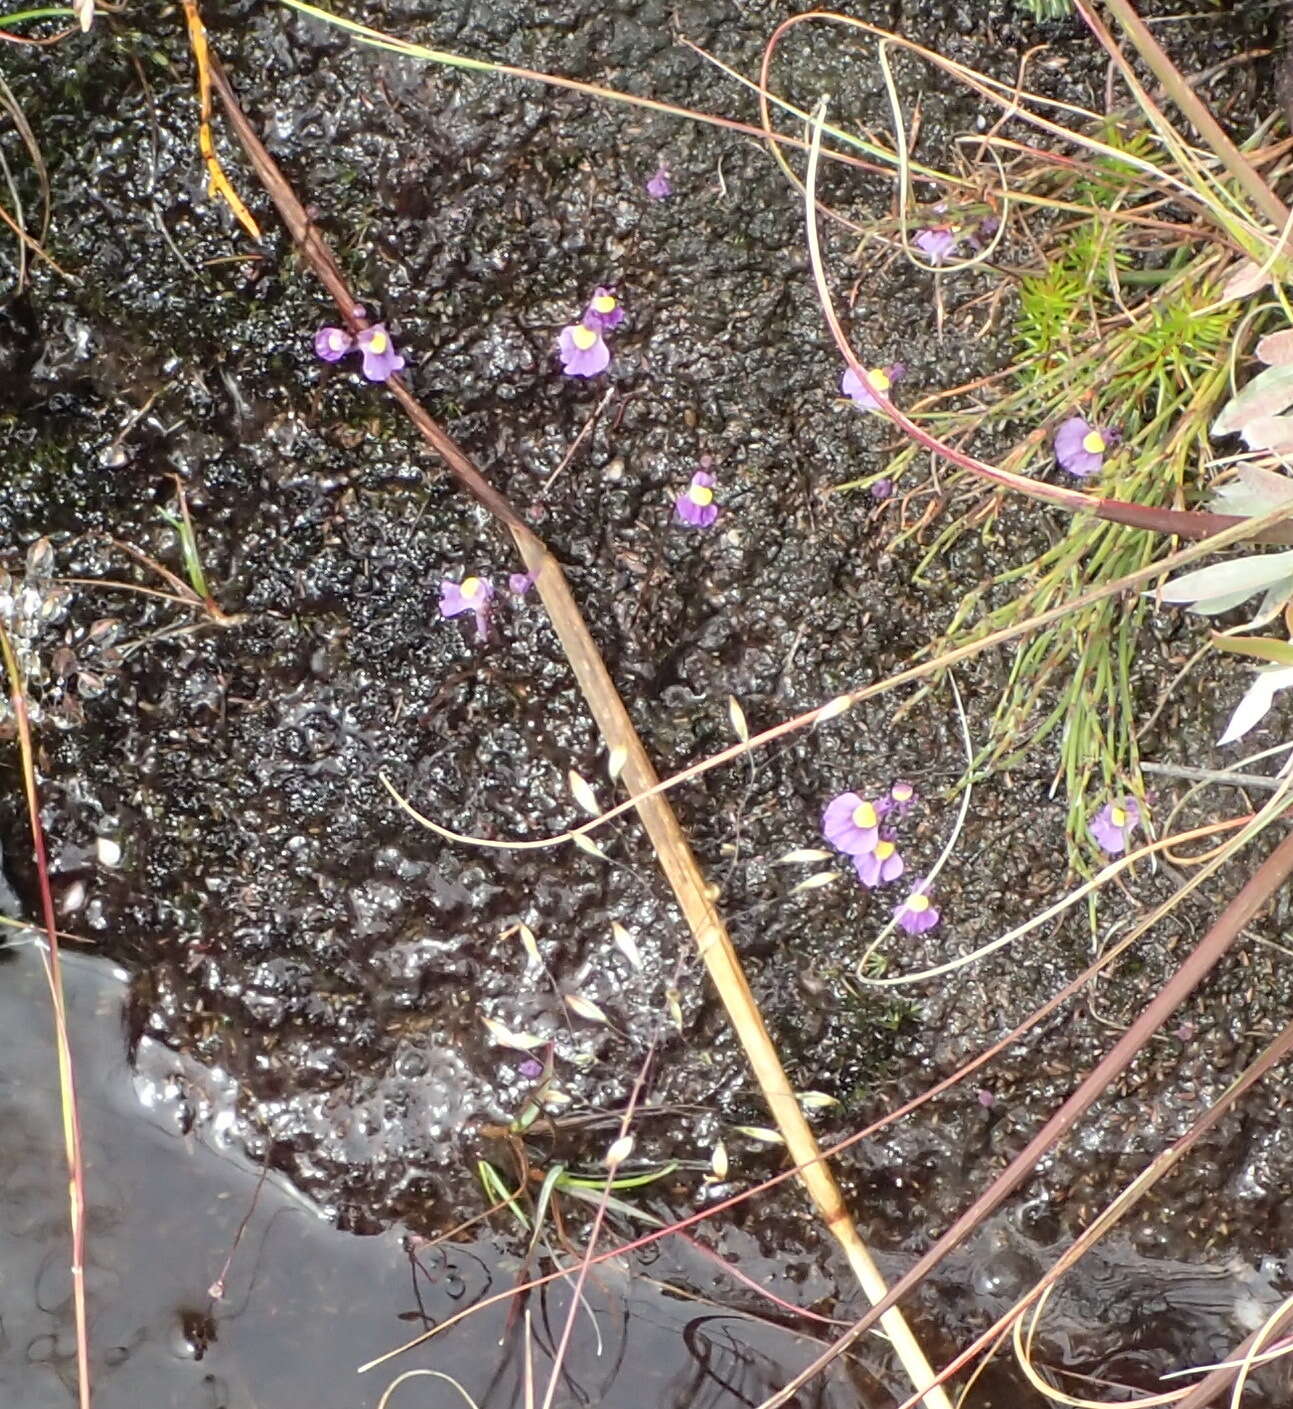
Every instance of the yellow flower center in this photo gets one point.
(701, 494)
(470, 586)
(378, 343)
(583, 337)
(918, 902)
(864, 816)
(1118, 816)
(879, 379)
(1093, 443)
(603, 303)
(884, 850)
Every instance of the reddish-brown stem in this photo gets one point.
(1261, 886)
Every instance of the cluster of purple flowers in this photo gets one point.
(582, 345)
(859, 827)
(374, 343)
(476, 595)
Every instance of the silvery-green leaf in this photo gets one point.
(839, 705)
(626, 944)
(1276, 349)
(816, 1100)
(1252, 492)
(615, 762)
(530, 944)
(1269, 393)
(1258, 698)
(586, 1008)
(802, 854)
(737, 715)
(815, 882)
(1273, 603)
(762, 1133)
(619, 1151)
(718, 1161)
(1274, 433)
(1221, 586)
(583, 794)
(505, 1037)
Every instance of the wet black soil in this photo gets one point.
(286, 926)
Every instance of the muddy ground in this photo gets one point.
(286, 925)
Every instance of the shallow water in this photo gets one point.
(303, 1304)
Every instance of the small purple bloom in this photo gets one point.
(332, 344)
(519, 583)
(902, 798)
(695, 505)
(1080, 447)
(1114, 823)
(603, 312)
(583, 351)
(882, 489)
(879, 379)
(986, 1099)
(917, 913)
(879, 867)
(530, 1069)
(380, 358)
(936, 243)
(472, 594)
(659, 187)
(851, 824)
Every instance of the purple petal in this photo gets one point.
(602, 320)
(519, 583)
(332, 344)
(659, 187)
(380, 357)
(579, 361)
(843, 831)
(936, 243)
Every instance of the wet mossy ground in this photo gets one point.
(282, 919)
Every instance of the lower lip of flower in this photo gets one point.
(583, 338)
(700, 495)
(1093, 443)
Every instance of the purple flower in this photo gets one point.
(882, 489)
(603, 312)
(519, 583)
(583, 351)
(1080, 447)
(695, 505)
(472, 594)
(530, 1069)
(1115, 821)
(917, 913)
(851, 824)
(380, 358)
(879, 867)
(879, 378)
(659, 187)
(986, 1099)
(902, 798)
(332, 344)
(936, 243)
